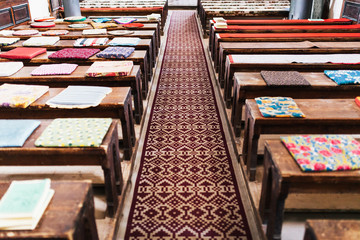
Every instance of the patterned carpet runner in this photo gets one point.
(186, 187)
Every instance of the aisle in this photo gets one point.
(186, 186)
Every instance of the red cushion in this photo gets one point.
(42, 24)
(132, 25)
(287, 27)
(122, 9)
(23, 53)
(288, 35)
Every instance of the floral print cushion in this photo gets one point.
(74, 132)
(278, 107)
(74, 53)
(109, 68)
(116, 52)
(343, 77)
(324, 152)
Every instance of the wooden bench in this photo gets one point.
(144, 44)
(69, 216)
(249, 85)
(305, 47)
(286, 62)
(323, 116)
(328, 229)
(107, 156)
(139, 57)
(282, 176)
(355, 28)
(283, 37)
(78, 77)
(117, 105)
(271, 22)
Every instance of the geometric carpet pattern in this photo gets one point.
(186, 187)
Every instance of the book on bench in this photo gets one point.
(24, 203)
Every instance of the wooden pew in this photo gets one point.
(298, 62)
(280, 29)
(78, 77)
(70, 214)
(323, 116)
(106, 156)
(117, 105)
(282, 176)
(138, 57)
(325, 229)
(305, 47)
(283, 37)
(270, 22)
(249, 85)
(241, 9)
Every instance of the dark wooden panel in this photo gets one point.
(351, 10)
(55, 4)
(6, 19)
(21, 13)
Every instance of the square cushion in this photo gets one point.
(41, 41)
(94, 32)
(8, 41)
(124, 41)
(23, 53)
(116, 52)
(9, 68)
(103, 25)
(54, 69)
(74, 53)
(278, 107)
(109, 68)
(13, 133)
(84, 42)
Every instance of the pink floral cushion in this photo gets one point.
(74, 53)
(324, 152)
(23, 53)
(54, 69)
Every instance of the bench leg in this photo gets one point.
(264, 205)
(128, 132)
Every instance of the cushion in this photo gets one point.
(101, 20)
(42, 24)
(109, 68)
(103, 25)
(284, 78)
(324, 152)
(83, 42)
(79, 97)
(55, 32)
(124, 41)
(20, 95)
(120, 32)
(13, 133)
(9, 68)
(75, 19)
(116, 52)
(80, 25)
(344, 77)
(74, 132)
(41, 41)
(6, 32)
(23, 53)
(94, 32)
(278, 107)
(8, 41)
(133, 25)
(124, 20)
(25, 32)
(54, 69)
(44, 19)
(74, 53)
